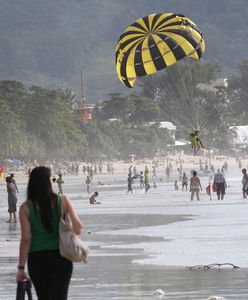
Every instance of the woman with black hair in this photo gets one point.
(39, 244)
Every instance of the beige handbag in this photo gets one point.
(71, 246)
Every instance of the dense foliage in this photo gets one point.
(37, 123)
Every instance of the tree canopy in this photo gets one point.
(37, 123)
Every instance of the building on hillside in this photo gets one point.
(240, 139)
(218, 86)
(220, 83)
(166, 125)
(163, 124)
(85, 112)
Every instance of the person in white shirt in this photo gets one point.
(220, 182)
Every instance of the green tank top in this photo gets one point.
(40, 238)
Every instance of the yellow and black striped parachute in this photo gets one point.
(155, 42)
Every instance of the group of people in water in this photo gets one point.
(193, 184)
(219, 184)
(143, 178)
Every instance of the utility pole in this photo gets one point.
(82, 86)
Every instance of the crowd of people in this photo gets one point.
(41, 212)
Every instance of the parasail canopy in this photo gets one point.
(155, 42)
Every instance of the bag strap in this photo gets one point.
(60, 207)
(24, 287)
(28, 290)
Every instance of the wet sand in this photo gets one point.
(111, 272)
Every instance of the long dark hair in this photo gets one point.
(41, 194)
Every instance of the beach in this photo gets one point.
(144, 242)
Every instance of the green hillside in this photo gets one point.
(45, 42)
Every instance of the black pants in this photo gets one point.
(50, 274)
(220, 189)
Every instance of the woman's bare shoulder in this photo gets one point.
(24, 208)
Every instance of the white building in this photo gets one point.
(241, 140)
(167, 125)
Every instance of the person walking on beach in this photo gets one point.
(179, 174)
(60, 182)
(195, 186)
(167, 171)
(1, 172)
(88, 182)
(245, 183)
(240, 163)
(14, 182)
(176, 186)
(184, 181)
(220, 184)
(154, 175)
(141, 178)
(129, 183)
(39, 245)
(12, 200)
(130, 170)
(146, 179)
(135, 175)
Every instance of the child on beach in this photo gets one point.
(60, 182)
(14, 182)
(129, 183)
(93, 198)
(88, 182)
(176, 185)
(146, 179)
(245, 183)
(184, 181)
(141, 177)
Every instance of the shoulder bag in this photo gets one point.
(71, 246)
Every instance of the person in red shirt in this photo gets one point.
(1, 172)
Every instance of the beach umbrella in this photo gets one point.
(155, 42)
(7, 160)
(17, 162)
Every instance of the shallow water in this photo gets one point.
(111, 272)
